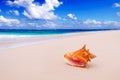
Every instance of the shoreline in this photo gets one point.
(23, 40)
(34, 39)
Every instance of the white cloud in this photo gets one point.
(112, 23)
(33, 24)
(71, 16)
(8, 22)
(118, 13)
(36, 11)
(26, 14)
(101, 24)
(87, 22)
(9, 3)
(16, 12)
(46, 24)
(116, 4)
(49, 24)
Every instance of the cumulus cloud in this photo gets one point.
(8, 22)
(71, 16)
(87, 22)
(101, 24)
(37, 11)
(112, 23)
(116, 4)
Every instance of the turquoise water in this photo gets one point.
(44, 32)
(36, 32)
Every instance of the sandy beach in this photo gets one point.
(44, 61)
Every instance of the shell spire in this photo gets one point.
(84, 47)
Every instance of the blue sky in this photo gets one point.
(59, 14)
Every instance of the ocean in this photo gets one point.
(10, 38)
(44, 32)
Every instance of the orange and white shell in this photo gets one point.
(79, 58)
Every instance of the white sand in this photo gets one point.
(45, 61)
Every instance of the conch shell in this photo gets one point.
(79, 58)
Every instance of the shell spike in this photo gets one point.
(84, 47)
